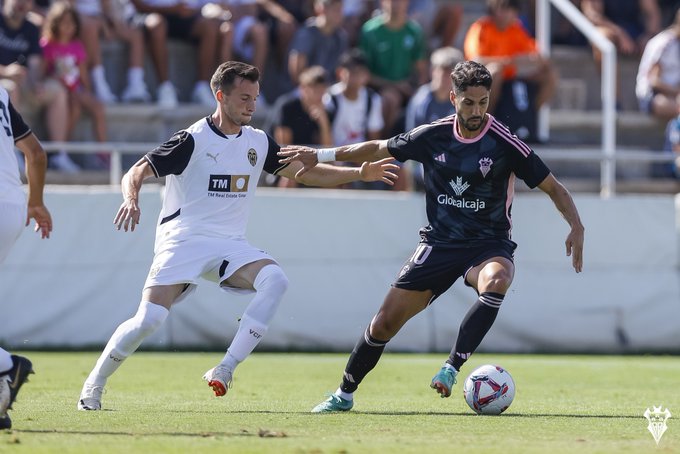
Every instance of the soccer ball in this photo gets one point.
(489, 390)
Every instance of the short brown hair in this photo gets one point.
(229, 71)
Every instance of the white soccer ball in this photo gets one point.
(489, 390)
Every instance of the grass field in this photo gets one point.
(157, 403)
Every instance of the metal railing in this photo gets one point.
(547, 153)
(576, 17)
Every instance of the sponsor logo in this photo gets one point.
(115, 359)
(153, 272)
(252, 157)
(657, 422)
(459, 186)
(213, 156)
(441, 158)
(485, 166)
(255, 334)
(228, 185)
(476, 205)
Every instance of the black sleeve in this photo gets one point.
(271, 162)
(19, 128)
(410, 144)
(531, 169)
(172, 156)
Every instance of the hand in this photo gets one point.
(306, 155)
(383, 170)
(574, 244)
(43, 220)
(128, 215)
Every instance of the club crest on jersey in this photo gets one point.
(485, 166)
(252, 157)
(228, 183)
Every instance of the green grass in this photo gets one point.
(157, 402)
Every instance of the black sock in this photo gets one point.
(363, 359)
(474, 327)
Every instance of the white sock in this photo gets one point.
(347, 396)
(246, 339)
(270, 283)
(135, 76)
(6, 362)
(126, 339)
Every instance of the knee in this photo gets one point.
(271, 278)
(150, 317)
(382, 328)
(498, 282)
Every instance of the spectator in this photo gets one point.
(432, 101)
(629, 24)
(107, 19)
(658, 79)
(176, 19)
(395, 49)
(251, 36)
(500, 42)
(304, 119)
(282, 18)
(66, 61)
(440, 19)
(321, 41)
(22, 74)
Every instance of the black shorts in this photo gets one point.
(437, 267)
(180, 27)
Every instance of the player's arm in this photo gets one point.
(36, 165)
(129, 212)
(371, 151)
(325, 175)
(565, 205)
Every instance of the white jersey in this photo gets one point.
(211, 179)
(351, 122)
(12, 129)
(664, 49)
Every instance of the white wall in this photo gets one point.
(341, 250)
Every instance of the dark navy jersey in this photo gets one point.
(469, 183)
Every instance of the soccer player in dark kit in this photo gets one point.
(470, 162)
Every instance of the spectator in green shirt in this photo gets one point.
(396, 52)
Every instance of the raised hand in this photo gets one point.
(383, 170)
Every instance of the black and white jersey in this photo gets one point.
(210, 179)
(13, 129)
(469, 183)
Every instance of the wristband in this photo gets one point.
(325, 154)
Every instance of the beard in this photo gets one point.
(472, 123)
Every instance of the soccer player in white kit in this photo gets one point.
(211, 169)
(15, 214)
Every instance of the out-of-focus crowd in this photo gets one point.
(348, 70)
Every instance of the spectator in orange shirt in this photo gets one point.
(501, 43)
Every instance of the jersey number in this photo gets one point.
(421, 254)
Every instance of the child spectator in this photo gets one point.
(22, 74)
(304, 119)
(106, 19)
(65, 58)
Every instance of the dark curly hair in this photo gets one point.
(470, 74)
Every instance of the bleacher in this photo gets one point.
(575, 118)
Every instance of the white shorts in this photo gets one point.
(12, 222)
(213, 259)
